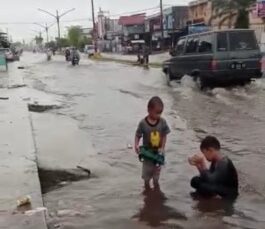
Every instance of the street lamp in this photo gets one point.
(162, 24)
(57, 17)
(94, 27)
(46, 27)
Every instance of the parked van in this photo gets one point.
(218, 56)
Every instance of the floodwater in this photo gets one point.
(100, 106)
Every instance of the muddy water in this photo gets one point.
(101, 105)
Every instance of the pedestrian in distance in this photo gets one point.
(221, 178)
(139, 52)
(153, 130)
(146, 53)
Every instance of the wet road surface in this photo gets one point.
(100, 106)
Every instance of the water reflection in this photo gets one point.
(215, 205)
(155, 211)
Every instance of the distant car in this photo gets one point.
(216, 57)
(89, 49)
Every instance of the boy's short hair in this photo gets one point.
(210, 142)
(155, 101)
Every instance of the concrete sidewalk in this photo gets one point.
(18, 164)
(156, 60)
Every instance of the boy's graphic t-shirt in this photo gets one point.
(152, 134)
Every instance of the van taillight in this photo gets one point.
(213, 65)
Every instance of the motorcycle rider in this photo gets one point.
(67, 54)
(75, 54)
(49, 54)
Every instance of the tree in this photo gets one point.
(227, 10)
(64, 42)
(74, 35)
(38, 40)
(84, 41)
(51, 44)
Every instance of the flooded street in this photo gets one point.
(97, 108)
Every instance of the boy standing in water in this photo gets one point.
(154, 130)
(221, 178)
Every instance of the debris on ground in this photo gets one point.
(21, 67)
(41, 108)
(4, 98)
(25, 200)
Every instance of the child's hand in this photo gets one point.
(161, 151)
(137, 149)
(196, 160)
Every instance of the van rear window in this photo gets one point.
(242, 40)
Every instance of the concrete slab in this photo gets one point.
(18, 166)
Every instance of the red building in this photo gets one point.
(133, 27)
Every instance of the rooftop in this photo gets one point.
(137, 19)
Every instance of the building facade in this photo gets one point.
(174, 23)
(133, 27)
(200, 12)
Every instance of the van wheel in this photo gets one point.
(195, 78)
(201, 82)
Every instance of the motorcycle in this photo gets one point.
(75, 60)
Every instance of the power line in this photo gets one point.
(78, 19)
(84, 19)
(134, 12)
(42, 22)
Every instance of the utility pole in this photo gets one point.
(58, 25)
(47, 32)
(94, 27)
(58, 17)
(162, 24)
(46, 27)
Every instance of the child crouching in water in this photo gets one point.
(153, 130)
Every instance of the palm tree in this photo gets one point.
(227, 10)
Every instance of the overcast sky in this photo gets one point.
(25, 11)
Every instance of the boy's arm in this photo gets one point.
(136, 144)
(138, 136)
(202, 167)
(163, 144)
(165, 132)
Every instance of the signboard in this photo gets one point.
(261, 8)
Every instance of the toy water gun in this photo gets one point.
(151, 155)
